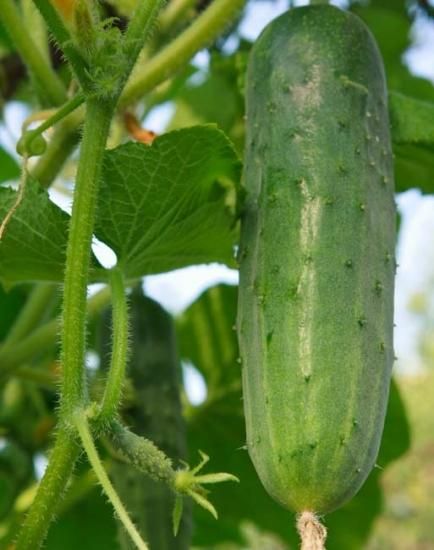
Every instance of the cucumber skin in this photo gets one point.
(315, 317)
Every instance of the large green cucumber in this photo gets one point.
(316, 257)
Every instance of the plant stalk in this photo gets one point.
(113, 388)
(50, 492)
(95, 461)
(96, 128)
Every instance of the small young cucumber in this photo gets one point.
(316, 257)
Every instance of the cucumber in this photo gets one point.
(317, 264)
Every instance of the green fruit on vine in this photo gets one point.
(317, 261)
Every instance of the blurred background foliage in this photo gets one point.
(394, 509)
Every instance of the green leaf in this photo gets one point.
(412, 120)
(171, 204)
(9, 169)
(413, 137)
(34, 241)
(217, 426)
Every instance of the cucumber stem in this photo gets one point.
(312, 532)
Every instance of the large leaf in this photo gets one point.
(33, 244)
(159, 208)
(168, 205)
(217, 427)
(9, 169)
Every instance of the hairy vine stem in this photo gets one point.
(99, 113)
(96, 128)
(113, 389)
(94, 459)
(50, 491)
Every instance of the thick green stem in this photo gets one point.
(203, 31)
(92, 454)
(96, 128)
(48, 85)
(44, 337)
(113, 389)
(31, 314)
(50, 492)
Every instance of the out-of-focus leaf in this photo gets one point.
(350, 526)
(396, 436)
(88, 525)
(412, 125)
(218, 99)
(171, 204)
(217, 427)
(5, 41)
(10, 304)
(206, 336)
(15, 470)
(9, 169)
(390, 24)
(412, 120)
